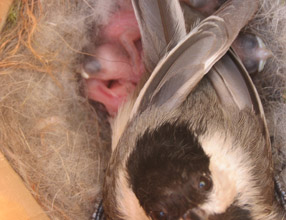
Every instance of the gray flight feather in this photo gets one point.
(234, 87)
(180, 71)
(162, 26)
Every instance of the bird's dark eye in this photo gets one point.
(158, 215)
(205, 183)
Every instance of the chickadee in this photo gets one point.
(195, 144)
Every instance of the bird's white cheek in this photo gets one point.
(223, 193)
(223, 172)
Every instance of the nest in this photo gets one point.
(52, 135)
(269, 24)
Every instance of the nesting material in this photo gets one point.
(269, 24)
(49, 132)
(51, 135)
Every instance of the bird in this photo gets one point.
(193, 143)
(113, 68)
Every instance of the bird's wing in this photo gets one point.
(180, 71)
(234, 87)
(162, 26)
(233, 84)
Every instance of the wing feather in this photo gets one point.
(180, 71)
(162, 26)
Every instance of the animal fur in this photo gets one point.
(52, 135)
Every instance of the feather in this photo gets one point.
(230, 81)
(179, 72)
(162, 26)
(235, 88)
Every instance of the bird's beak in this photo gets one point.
(195, 214)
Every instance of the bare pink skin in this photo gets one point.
(117, 66)
(120, 59)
